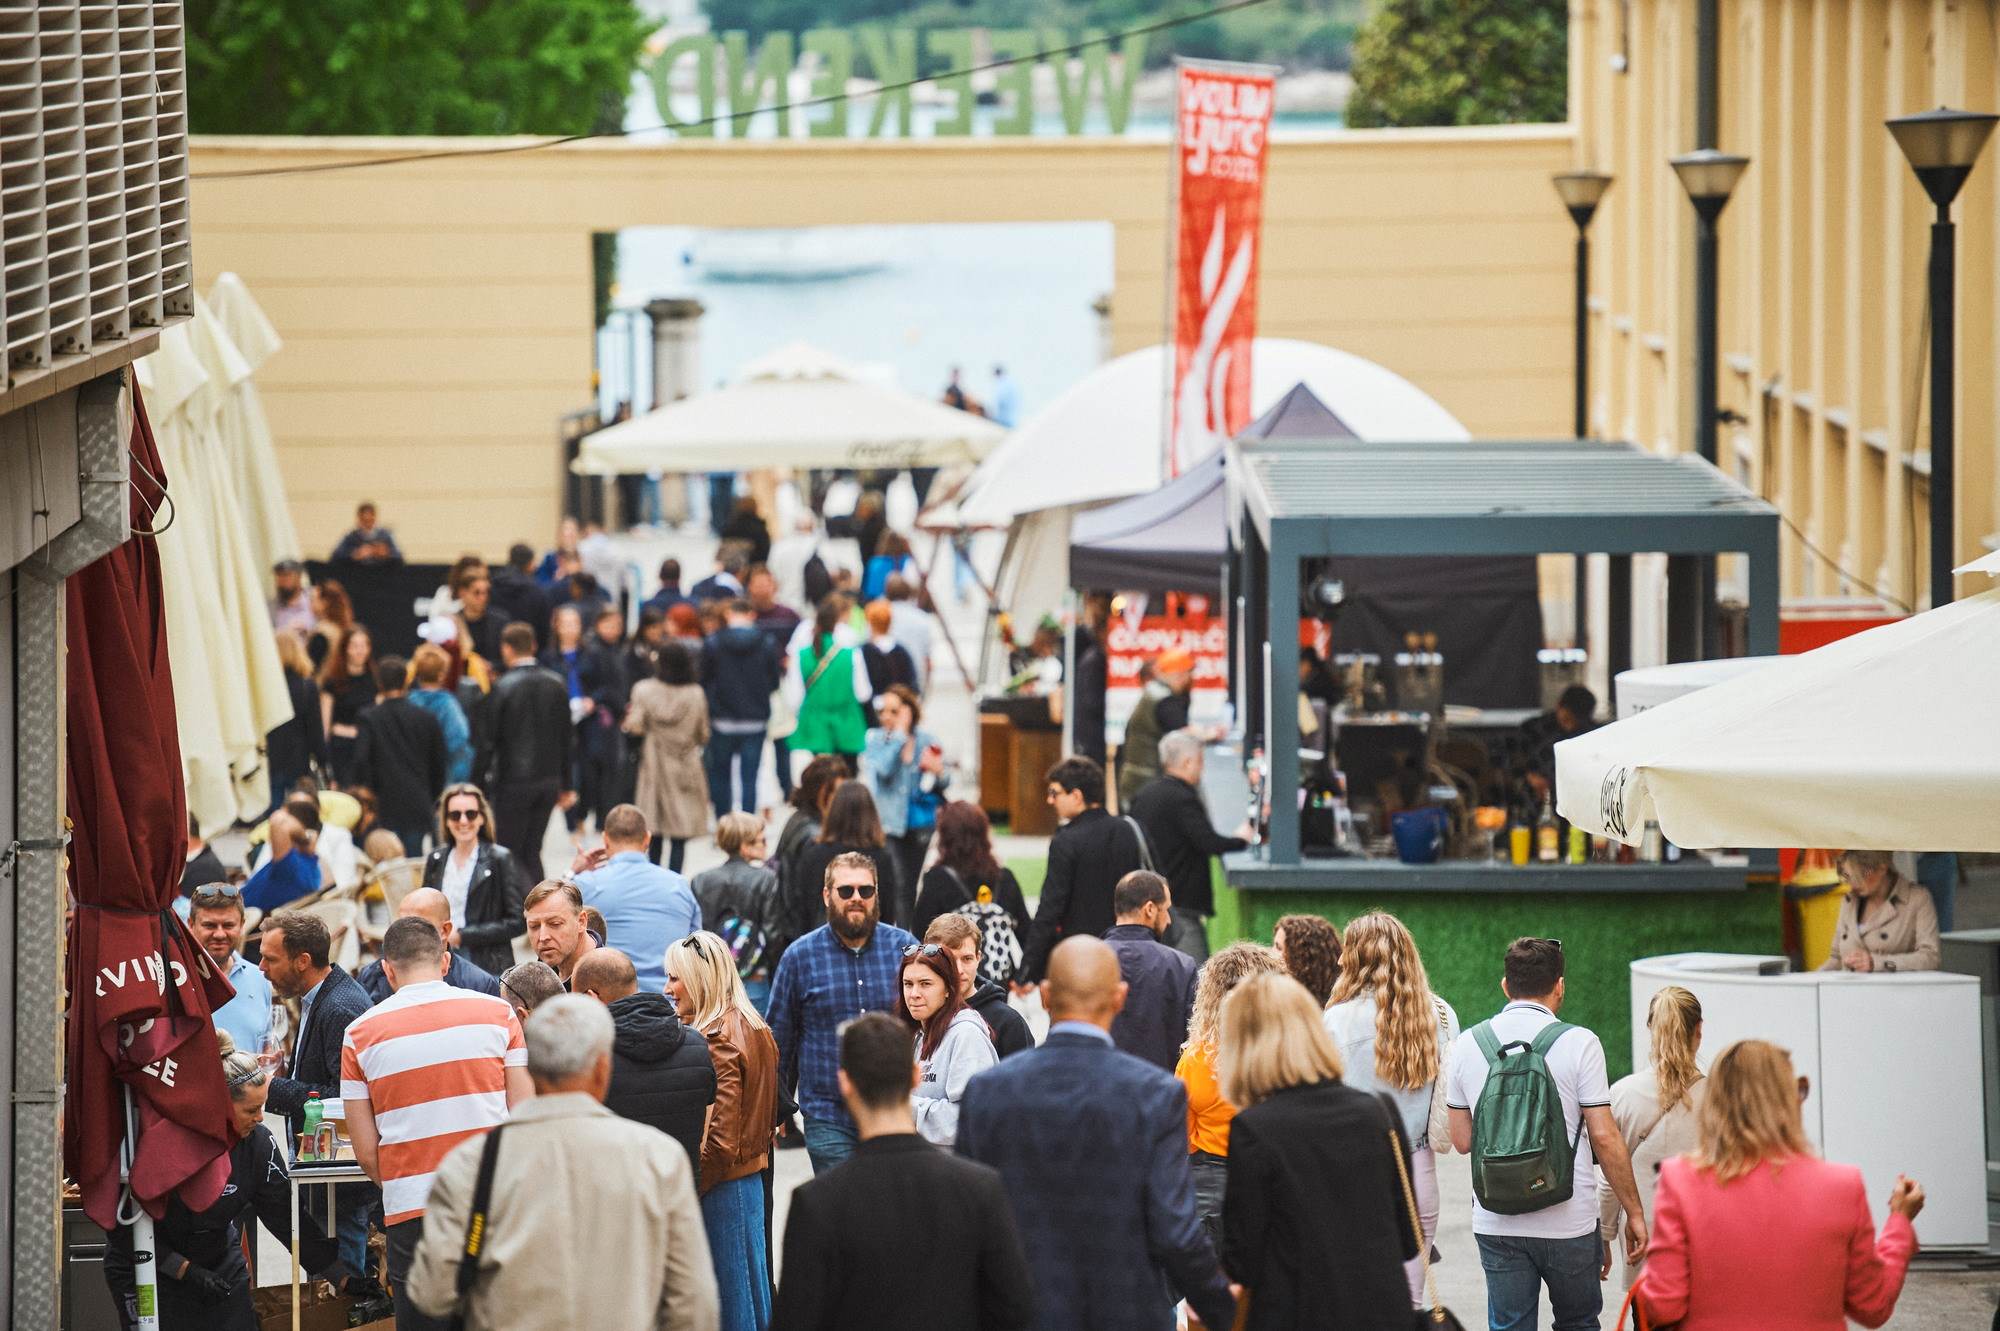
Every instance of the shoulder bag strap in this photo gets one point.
(833, 649)
(1139, 834)
(1410, 1200)
(475, 1227)
(957, 881)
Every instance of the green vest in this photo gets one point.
(830, 720)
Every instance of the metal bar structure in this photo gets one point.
(1944, 419)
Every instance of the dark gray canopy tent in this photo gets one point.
(1485, 611)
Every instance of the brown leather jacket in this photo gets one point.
(737, 1142)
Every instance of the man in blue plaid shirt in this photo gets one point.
(847, 966)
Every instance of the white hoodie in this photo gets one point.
(965, 1051)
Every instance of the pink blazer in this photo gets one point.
(1780, 1249)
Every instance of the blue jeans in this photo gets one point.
(733, 1215)
(828, 1142)
(734, 754)
(1516, 1270)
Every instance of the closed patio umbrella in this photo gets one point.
(145, 1110)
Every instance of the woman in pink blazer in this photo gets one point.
(1755, 1233)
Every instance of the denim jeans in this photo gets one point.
(734, 754)
(1211, 1179)
(733, 1215)
(1516, 1269)
(828, 1142)
(351, 1205)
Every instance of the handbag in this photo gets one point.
(475, 1228)
(1439, 1130)
(1436, 1317)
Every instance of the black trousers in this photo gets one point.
(522, 811)
(402, 1254)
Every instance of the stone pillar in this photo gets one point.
(676, 348)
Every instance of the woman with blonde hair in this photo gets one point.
(294, 748)
(1209, 1111)
(1782, 1239)
(1656, 1108)
(1316, 1225)
(1392, 1033)
(736, 1144)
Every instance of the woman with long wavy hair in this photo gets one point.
(1657, 1107)
(1310, 946)
(1209, 1111)
(969, 878)
(1391, 1031)
(346, 689)
(1783, 1240)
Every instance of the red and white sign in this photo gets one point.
(1128, 646)
(1220, 137)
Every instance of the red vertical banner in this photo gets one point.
(1221, 138)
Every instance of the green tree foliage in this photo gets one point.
(1460, 62)
(415, 67)
(409, 66)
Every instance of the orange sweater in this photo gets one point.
(1208, 1112)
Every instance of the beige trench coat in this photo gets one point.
(1901, 932)
(594, 1223)
(672, 723)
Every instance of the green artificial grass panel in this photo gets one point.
(1029, 871)
(1464, 935)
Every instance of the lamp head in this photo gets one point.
(1581, 191)
(1709, 176)
(1942, 146)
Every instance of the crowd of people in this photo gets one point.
(590, 1067)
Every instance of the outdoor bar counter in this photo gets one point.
(1464, 913)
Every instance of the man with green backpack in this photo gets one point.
(1524, 1089)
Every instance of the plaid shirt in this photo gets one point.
(821, 983)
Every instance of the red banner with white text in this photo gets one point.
(1220, 137)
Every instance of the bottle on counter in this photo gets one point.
(1548, 838)
(309, 1134)
(1579, 845)
(1520, 841)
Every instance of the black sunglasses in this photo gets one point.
(462, 815)
(849, 891)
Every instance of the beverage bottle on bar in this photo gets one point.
(1548, 841)
(309, 1135)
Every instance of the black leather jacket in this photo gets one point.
(527, 733)
(494, 916)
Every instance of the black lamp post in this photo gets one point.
(1943, 145)
(1708, 176)
(1581, 191)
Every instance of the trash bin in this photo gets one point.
(1816, 906)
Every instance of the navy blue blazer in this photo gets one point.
(1092, 1146)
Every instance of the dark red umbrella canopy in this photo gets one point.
(141, 990)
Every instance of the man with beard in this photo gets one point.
(847, 966)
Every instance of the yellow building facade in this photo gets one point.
(1824, 244)
(437, 314)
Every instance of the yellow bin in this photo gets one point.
(1817, 902)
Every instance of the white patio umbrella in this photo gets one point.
(798, 407)
(1882, 741)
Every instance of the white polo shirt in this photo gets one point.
(1576, 1060)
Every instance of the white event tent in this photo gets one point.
(797, 407)
(1101, 440)
(1881, 741)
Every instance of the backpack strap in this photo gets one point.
(1488, 1042)
(1546, 1038)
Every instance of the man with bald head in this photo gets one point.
(428, 903)
(661, 1072)
(1092, 1145)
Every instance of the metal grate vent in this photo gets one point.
(93, 177)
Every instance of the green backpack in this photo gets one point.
(1522, 1158)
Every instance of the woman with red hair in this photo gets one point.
(953, 1042)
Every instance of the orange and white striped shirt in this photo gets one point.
(431, 1061)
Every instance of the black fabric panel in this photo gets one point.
(1485, 610)
(1107, 568)
(385, 597)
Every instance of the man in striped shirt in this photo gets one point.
(422, 1071)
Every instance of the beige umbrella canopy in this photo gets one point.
(1887, 740)
(798, 407)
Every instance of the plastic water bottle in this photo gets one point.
(309, 1135)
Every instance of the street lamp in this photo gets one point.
(1581, 191)
(1942, 146)
(1708, 176)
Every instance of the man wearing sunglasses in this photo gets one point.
(847, 966)
(216, 916)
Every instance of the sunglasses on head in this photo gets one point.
(922, 950)
(849, 891)
(461, 815)
(219, 891)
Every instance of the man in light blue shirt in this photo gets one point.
(645, 907)
(1005, 409)
(216, 916)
